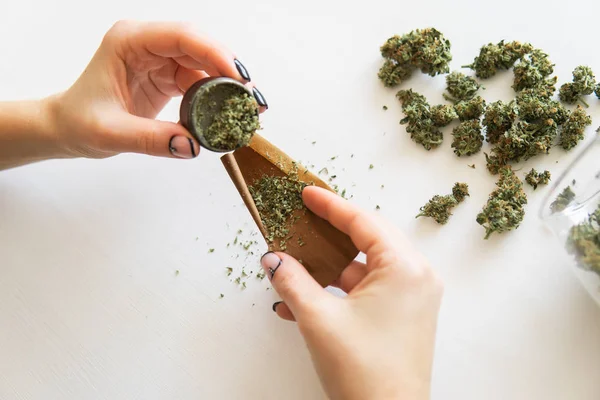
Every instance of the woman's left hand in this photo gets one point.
(136, 70)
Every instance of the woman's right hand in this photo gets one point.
(377, 342)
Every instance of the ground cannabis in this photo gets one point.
(423, 49)
(460, 87)
(470, 109)
(498, 119)
(563, 200)
(439, 207)
(504, 208)
(583, 242)
(419, 120)
(442, 115)
(535, 178)
(235, 124)
(584, 83)
(574, 128)
(500, 56)
(467, 138)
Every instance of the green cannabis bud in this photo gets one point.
(470, 109)
(419, 120)
(532, 70)
(443, 114)
(533, 107)
(235, 124)
(439, 208)
(563, 200)
(573, 129)
(460, 87)
(423, 49)
(504, 208)
(467, 138)
(584, 83)
(535, 178)
(583, 242)
(494, 57)
(460, 191)
(498, 119)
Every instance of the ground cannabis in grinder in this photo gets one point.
(235, 124)
(535, 178)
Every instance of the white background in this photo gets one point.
(90, 306)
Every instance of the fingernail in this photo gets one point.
(260, 99)
(242, 70)
(183, 147)
(275, 305)
(270, 263)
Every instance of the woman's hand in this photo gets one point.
(377, 342)
(110, 109)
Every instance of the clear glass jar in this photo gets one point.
(579, 236)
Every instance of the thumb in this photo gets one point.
(133, 134)
(292, 282)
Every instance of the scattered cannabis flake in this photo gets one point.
(583, 242)
(460, 87)
(423, 49)
(377, 207)
(442, 115)
(229, 270)
(563, 200)
(418, 118)
(504, 209)
(470, 109)
(235, 124)
(574, 128)
(535, 178)
(494, 57)
(467, 138)
(439, 207)
(385, 108)
(211, 250)
(176, 272)
(498, 119)
(460, 191)
(371, 166)
(471, 166)
(584, 83)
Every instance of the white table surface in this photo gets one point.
(90, 306)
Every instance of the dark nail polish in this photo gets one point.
(183, 147)
(275, 305)
(260, 99)
(242, 70)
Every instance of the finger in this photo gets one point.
(351, 276)
(185, 78)
(132, 134)
(292, 282)
(283, 311)
(370, 234)
(189, 63)
(173, 40)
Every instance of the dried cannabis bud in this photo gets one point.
(535, 178)
(235, 124)
(423, 49)
(573, 130)
(563, 200)
(419, 120)
(470, 109)
(460, 87)
(467, 138)
(443, 114)
(493, 57)
(498, 119)
(439, 208)
(584, 242)
(504, 209)
(534, 106)
(584, 83)
(276, 199)
(532, 70)
(460, 191)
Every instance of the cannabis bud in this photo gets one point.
(573, 130)
(460, 191)
(584, 242)
(439, 207)
(597, 91)
(423, 49)
(504, 209)
(419, 120)
(563, 200)
(460, 87)
(470, 109)
(467, 138)
(584, 83)
(443, 114)
(532, 70)
(535, 178)
(498, 119)
(493, 57)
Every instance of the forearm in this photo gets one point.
(28, 133)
